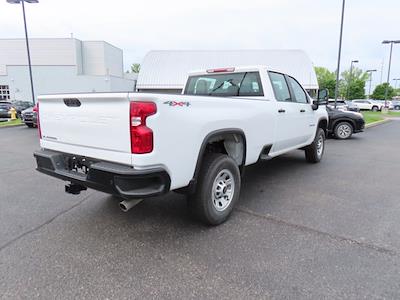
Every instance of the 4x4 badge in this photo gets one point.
(175, 103)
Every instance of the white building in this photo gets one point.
(166, 71)
(64, 65)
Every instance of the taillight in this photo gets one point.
(141, 135)
(36, 109)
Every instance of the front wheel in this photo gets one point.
(218, 189)
(315, 150)
(343, 130)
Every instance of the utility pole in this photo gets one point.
(26, 39)
(391, 42)
(350, 78)
(370, 81)
(339, 53)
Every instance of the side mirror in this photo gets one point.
(322, 99)
(323, 96)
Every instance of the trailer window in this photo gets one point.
(225, 85)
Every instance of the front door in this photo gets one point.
(288, 114)
(305, 113)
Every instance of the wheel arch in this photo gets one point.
(228, 137)
(323, 123)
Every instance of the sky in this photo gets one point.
(140, 26)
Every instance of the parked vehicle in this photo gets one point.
(351, 106)
(5, 107)
(396, 104)
(138, 145)
(21, 105)
(342, 124)
(365, 104)
(29, 116)
(340, 104)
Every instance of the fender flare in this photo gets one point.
(227, 131)
(343, 120)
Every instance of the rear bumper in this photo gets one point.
(107, 177)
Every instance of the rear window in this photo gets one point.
(225, 85)
(5, 105)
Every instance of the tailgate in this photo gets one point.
(93, 125)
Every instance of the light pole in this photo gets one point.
(26, 39)
(395, 82)
(391, 42)
(370, 80)
(350, 78)
(339, 53)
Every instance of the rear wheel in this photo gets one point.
(29, 125)
(397, 107)
(315, 150)
(343, 130)
(218, 189)
(375, 108)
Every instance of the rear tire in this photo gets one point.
(315, 150)
(375, 108)
(217, 190)
(343, 130)
(29, 125)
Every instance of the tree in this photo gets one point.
(326, 80)
(135, 68)
(352, 86)
(379, 92)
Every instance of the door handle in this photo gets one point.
(281, 110)
(302, 110)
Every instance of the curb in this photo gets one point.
(377, 123)
(10, 126)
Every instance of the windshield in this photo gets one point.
(232, 84)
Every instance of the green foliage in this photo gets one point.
(326, 80)
(135, 68)
(352, 85)
(379, 91)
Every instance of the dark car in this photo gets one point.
(29, 117)
(342, 124)
(21, 105)
(5, 109)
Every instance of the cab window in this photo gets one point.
(280, 87)
(299, 94)
(225, 85)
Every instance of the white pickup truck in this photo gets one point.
(138, 145)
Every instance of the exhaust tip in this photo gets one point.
(123, 207)
(126, 205)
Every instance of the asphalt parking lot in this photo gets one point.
(330, 230)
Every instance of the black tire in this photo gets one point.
(313, 152)
(202, 203)
(397, 107)
(375, 108)
(343, 130)
(29, 125)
